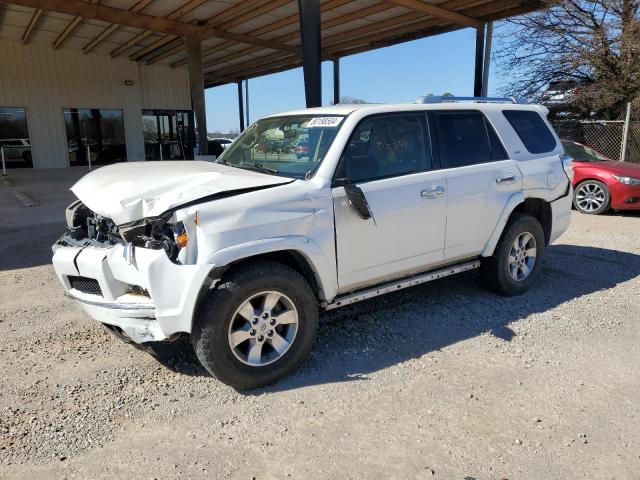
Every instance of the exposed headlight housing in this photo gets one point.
(627, 180)
(156, 234)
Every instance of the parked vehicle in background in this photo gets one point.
(224, 142)
(600, 183)
(241, 254)
(301, 148)
(17, 152)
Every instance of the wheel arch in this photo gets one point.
(293, 258)
(538, 208)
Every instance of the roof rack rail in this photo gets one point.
(438, 99)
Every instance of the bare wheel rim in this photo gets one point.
(263, 328)
(590, 197)
(522, 256)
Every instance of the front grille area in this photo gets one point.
(85, 285)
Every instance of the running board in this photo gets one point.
(405, 282)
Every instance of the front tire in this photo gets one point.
(592, 197)
(517, 259)
(257, 326)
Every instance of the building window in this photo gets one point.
(101, 131)
(14, 137)
(168, 134)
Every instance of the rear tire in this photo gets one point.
(517, 259)
(244, 340)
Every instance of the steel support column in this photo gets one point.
(196, 83)
(336, 81)
(477, 83)
(309, 13)
(240, 105)
(487, 60)
(246, 100)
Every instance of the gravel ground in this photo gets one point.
(445, 380)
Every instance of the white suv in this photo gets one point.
(243, 253)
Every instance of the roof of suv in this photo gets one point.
(346, 109)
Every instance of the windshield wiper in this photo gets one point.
(257, 167)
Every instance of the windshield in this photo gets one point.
(292, 146)
(580, 153)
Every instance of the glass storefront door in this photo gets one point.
(95, 133)
(168, 134)
(14, 137)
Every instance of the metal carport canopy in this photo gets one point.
(240, 39)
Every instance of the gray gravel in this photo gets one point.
(445, 380)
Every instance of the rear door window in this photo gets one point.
(466, 138)
(532, 130)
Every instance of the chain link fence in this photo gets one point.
(604, 136)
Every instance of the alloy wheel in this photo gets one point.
(590, 197)
(522, 256)
(263, 328)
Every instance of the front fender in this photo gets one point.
(323, 266)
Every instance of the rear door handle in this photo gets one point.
(433, 192)
(506, 179)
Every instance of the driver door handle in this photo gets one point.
(433, 192)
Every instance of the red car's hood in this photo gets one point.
(621, 168)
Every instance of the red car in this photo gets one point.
(601, 183)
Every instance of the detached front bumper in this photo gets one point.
(136, 289)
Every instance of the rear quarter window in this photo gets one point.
(532, 130)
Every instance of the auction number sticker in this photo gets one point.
(324, 122)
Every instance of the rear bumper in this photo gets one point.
(140, 290)
(561, 215)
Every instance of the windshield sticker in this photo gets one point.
(319, 122)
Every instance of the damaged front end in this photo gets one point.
(86, 228)
(125, 276)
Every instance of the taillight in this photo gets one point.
(567, 165)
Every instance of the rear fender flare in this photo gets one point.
(515, 200)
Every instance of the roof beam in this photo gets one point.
(138, 7)
(240, 12)
(174, 15)
(334, 22)
(32, 23)
(145, 22)
(407, 27)
(284, 22)
(66, 32)
(436, 11)
(113, 15)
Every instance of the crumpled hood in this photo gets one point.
(130, 191)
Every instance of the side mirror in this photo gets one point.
(357, 200)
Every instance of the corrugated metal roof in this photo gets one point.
(348, 27)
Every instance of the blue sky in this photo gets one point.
(394, 74)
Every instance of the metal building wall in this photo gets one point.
(45, 81)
